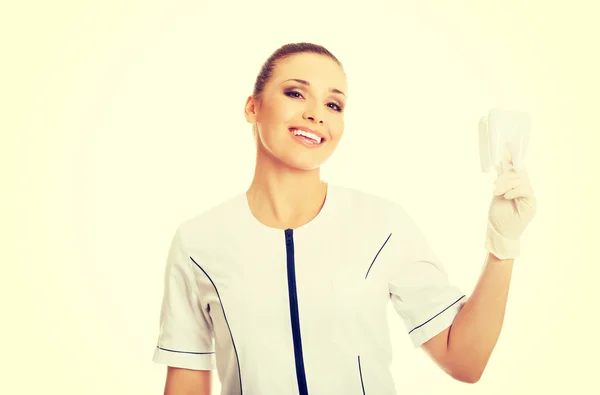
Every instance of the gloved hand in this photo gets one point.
(511, 210)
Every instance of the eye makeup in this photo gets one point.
(296, 94)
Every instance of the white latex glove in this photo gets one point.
(511, 210)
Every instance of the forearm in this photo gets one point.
(477, 327)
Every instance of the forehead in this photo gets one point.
(319, 70)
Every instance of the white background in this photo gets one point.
(120, 119)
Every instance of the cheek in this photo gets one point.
(277, 111)
(337, 128)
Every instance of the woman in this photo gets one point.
(284, 288)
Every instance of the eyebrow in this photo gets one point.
(304, 82)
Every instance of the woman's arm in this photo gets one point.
(187, 382)
(463, 350)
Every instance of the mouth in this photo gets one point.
(308, 137)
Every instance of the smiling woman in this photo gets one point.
(300, 88)
(284, 288)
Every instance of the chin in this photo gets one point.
(302, 165)
(305, 161)
(294, 157)
(309, 167)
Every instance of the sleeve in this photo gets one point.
(420, 289)
(186, 335)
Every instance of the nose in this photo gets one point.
(313, 115)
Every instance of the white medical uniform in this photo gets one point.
(302, 311)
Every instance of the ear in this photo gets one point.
(250, 110)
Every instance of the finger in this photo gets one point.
(505, 177)
(517, 162)
(514, 193)
(507, 165)
(507, 181)
(504, 187)
(521, 191)
(513, 175)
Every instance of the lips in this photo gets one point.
(308, 134)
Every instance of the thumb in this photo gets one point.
(507, 164)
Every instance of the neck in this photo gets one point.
(283, 197)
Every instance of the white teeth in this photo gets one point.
(312, 136)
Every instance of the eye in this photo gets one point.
(293, 94)
(297, 95)
(336, 106)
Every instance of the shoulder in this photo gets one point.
(373, 211)
(213, 221)
(358, 202)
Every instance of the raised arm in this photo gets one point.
(464, 349)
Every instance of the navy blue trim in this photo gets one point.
(185, 352)
(374, 259)
(294, 314)
(361, 377)
(417, 327)
(228, 327)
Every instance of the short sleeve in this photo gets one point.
(420, 289)
(186, 335)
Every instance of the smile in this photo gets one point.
(306, 137)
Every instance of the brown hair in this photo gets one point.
(279, 55)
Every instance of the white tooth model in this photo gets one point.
(500, 132)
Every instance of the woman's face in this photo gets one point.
(306, 93)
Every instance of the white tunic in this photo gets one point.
(300, 311)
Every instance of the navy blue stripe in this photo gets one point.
(374, 259)
(294, 314)
(361, 377)
(417, 327)
(228, 327)
(185, 352)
